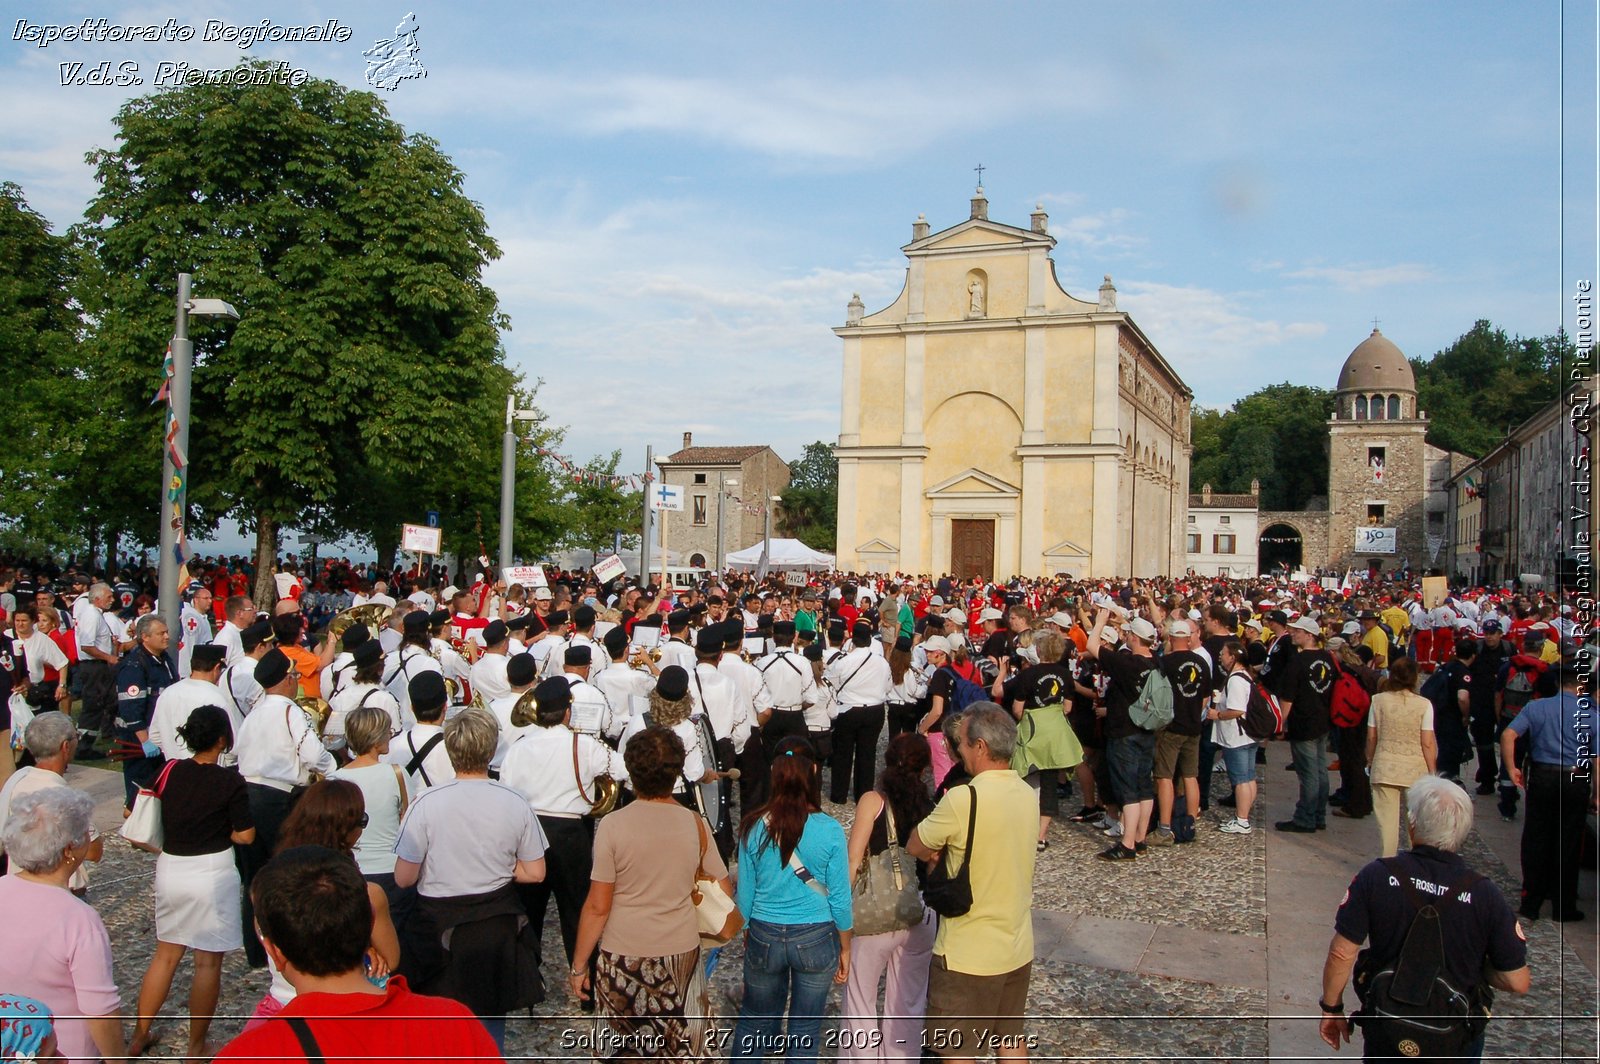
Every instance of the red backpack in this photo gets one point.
(1350, 700)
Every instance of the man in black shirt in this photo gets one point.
(1306, 692)
(1452, 708)
(1130, 750)
(1484, 696)
(1178, 744)
(1280, 651)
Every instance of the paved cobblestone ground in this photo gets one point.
(1127, 955)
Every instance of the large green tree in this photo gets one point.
(1487, 383)
(368, 349)
(600, 507)
(1276, 435)
(810, 508)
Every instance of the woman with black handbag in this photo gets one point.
(902, 950)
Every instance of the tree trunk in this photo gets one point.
(266, 589)
(386, 549)
(113, 546)
(93, 537)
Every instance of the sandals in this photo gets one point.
(1041, 845)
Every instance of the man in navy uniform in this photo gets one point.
(145, 671)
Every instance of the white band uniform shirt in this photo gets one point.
(352, 697)
(433, 770)
(455, 667)
(509, 733)
(592, 711)
(239, 688)
(788, 679)
(489, 676)
(456, 863)
(173, 707)
(229, 636)
(338, 672)
(695, 760)
(556, 658)
(389, 640)
(624, 686)
(754, 698)
(715, 696)
(408, 662)
(859, 678)
(540, 768)
(674, 651)
(278, 745)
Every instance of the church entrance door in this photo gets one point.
(972, 548)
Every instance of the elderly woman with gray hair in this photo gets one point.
(52, 739)
(60, 953)
(462, 845)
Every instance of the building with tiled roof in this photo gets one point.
(725, 488)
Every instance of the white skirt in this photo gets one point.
(197, 902)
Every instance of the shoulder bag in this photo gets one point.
(951, 894)
(714, 911)
(143, 828)
(885, 897)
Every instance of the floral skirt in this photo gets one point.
(651, 1008)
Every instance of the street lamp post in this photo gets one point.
(508, 475)
(766, 539)
(722, 495)
(173, 506)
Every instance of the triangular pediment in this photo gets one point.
(877, 546)
(1067, 549)
(972, 482)
(979, 232)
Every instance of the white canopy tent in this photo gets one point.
(785, 554)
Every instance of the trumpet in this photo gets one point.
(374, 615)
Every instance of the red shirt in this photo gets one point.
(371, 1028)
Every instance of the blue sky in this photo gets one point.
(688, 193)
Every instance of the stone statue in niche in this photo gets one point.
(975, 298)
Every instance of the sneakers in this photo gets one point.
(1087, 815)
(1161, 836)
(1114, 831)
(1117, 852)
(1235, 827)
(1102, 821)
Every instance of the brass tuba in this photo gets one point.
(606, 792)
(374, 615)
(317, 709)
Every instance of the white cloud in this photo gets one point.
(1100, 231)
(1363, 278)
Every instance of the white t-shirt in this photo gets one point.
(457, 862)
(89, 621)
(1236, 698)
(42, 652)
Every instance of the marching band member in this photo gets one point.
(860, 680)
(819, 715)
(238, 680)
(518, 627)
(755, 705)
(420, 752)
(717, 701)
(555, 630)
(412, 659)
(394, 631)
(788, 680)
(582, 635)
(592, 713)
(676, 650)
(197, 689)
(342, 667)
(625, 688)
(554, 767)
(521, 674)
(456, 664)
(489, 672)
(364, 688)
(278, 751)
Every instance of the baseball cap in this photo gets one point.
(936, 644)
(1306, 624)
(1142, 629)
(1061, 619)
(937, 600)
(991, 614)
(543, 593)
(1492, 626)
(1253, 622)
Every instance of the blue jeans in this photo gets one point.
(1311, 765)
(784, 964)
(1241, 763)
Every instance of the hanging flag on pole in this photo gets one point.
(666, 497)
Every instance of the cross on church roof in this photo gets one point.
(1374, 324)
(980, 168)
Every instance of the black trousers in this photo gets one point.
(755, 774)
(1455, 743)
(1353, 779)
(1552, 835)
(1482, 726)
(269, 808)
(779, 726)
(568, 861)
(99, 697)
(903, 717)
(855, 751)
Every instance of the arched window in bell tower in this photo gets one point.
(1394, 408)
(1377, 408)
(1361, 408)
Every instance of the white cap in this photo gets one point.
(1194, 615)
(1351, 628)
(1109, 634)
(937, 600)
(543, 593)
(1142, 629)
(1178, 629)
(991, 614)
(1061, 619)
(1254, 622)
(1306, 624)
(955, 616)
(936, 644)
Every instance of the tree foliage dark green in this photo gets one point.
(600, 508)
(367, 355)
(1277, 435)
(810, 508)
(1487, 383)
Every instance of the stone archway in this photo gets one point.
(1280, 545)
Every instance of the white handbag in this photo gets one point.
(143, 827)
(715, 913)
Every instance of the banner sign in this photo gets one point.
(607, 569)
(529, 576)
(420, 539)
(795, 578)
(1375, 541)
(666, 497)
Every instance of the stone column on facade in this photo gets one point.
(912, 559)
(1006, 561)
(1031, 558)
(939, 546)
(916, 290)
(912, 418)
(1039, 282)
(1105, 527)
(1106, 368)
(1034, 394)
(850, 399)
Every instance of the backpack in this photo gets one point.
(1521, 682)
(1152, 709)
(1437, 691)
(1350, 701)
(963, 692)
(1263, 716)
(1409, 1007)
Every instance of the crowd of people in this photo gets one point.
(379, 806)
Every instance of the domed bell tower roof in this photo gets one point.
(1377, 365)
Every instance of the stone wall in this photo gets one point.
(1352, 488)
(1313, 528)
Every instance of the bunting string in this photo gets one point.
(579, 475)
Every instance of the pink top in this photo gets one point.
(61, 955)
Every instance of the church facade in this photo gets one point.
(994, 425)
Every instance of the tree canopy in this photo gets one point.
(1277, 435)
(1487, 383)
(810, 508)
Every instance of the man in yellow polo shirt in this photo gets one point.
(1399, 621)
(1375, 637)
(978, 984)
